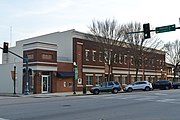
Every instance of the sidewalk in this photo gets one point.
(46, 95)
(59, 94)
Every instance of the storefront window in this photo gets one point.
(98, 80)
(89, 80)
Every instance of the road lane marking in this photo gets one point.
(160, 94)
(3, 119)
(166, 100)
(146, 98)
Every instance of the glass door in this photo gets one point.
(45, 83)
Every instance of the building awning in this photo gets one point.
(65, 74)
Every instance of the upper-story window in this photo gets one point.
(157, 63)
(106, 55)
(120, 59)
(132, 60)
(100, 56)
(47, 56)
(87, 55)
(153, 62)
(115, 58)
(140, 61)
(30, 56)
(146, 61)
(125, 59)
(160, 62)
(94, 55)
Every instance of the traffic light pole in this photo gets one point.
(142, 31)
(26, 91)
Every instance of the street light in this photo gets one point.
(75, 77)
(110, 65)
(129, 60)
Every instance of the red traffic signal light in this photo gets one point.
(5, 47)
(146, 29)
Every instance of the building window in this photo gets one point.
(47, 56)
(89, 80)
(153, 62)
(120, 59)
(160, 62)
(140, 61)
(100, 56)
(124, 79)
(117, 78)
(115, 58)
(30, 56)
(98, 80)
(146, 61)
(157, 63)
(87, 55)
(94, 55)
(132, 60)
(106, 56)
(125, 59)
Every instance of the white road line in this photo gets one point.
(166, 100)
(160, 94)
(3, 119)
(121, 97)
(146, 98)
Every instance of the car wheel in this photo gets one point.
(115, 91)
(96, 91)
(129, 89)
(147, 88)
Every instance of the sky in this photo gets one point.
(21, 19)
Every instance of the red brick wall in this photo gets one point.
(64, 67)
(41, 55)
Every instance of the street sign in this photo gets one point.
(165, 28)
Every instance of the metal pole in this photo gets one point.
(75, 75)
(161, 73)
(26, 92)
(14, 79)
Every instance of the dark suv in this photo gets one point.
(162, 84)
(110, 86)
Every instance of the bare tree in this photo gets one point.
(173, 54)
(138, 46)
(109, 34)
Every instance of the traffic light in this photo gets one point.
(146, 29)
(5, 47)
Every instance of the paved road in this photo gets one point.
(153, 105)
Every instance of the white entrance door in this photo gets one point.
(45, 83)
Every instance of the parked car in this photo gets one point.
(176, 85)
(139, 85)
(162, 84)
(110, 86)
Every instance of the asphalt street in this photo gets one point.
(153, 105)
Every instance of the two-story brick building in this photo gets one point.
(51, 59)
